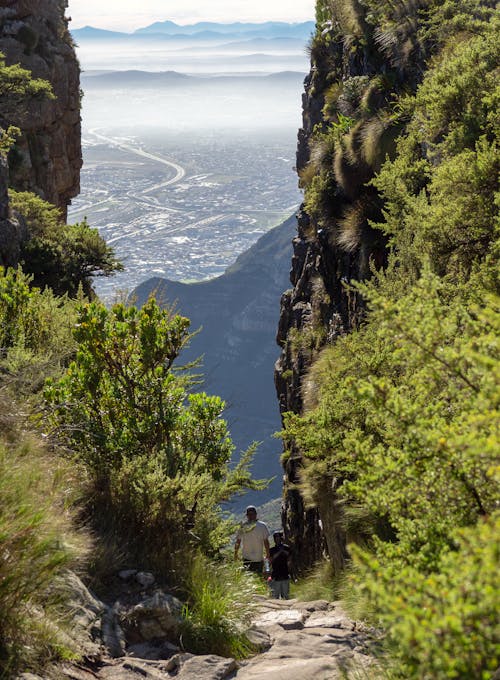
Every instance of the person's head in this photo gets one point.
(278, 537)
(251, 513)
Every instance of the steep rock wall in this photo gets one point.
(12, 232)
(347, 132)
(47, 158)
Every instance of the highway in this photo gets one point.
(179, 170)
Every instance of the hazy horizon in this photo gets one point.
(123, 15)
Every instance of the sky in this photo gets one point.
(127, 15)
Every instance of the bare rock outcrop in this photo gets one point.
(47, 158)
(12, 231)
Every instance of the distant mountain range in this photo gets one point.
(148, 79)
(168, 30)
(238, 315)
(266, 29)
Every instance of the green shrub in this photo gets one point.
(16, 88)
(157, 456)
(60, 256)
(443, 624)
(35, 333)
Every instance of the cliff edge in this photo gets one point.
(47, 158)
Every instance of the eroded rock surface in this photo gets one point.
(295, 640)
(47, 159)
(307, 640)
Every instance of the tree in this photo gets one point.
(157, 455)
(60, 256)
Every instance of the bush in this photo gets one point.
(60, 256)
(157, 456)
(443, 624)
(37, 545)
(35, 333)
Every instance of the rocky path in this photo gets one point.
(306, 640)
(296, 641)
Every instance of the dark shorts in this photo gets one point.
(256, 567)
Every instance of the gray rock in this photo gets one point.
(127, 574)
(87, 613)
(208, 667)
(135, 669)
(158, 616)
(289, 619)
(49, 158)
(327, 620)
(314, 606)
(259, 639)
(112, 634)
(153, 652)
(145, 578)
(323, 668)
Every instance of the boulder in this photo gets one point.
(208, 667)
(145, 579)
(158, 616)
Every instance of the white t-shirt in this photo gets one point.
(252, 535)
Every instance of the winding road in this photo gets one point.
(179, 170)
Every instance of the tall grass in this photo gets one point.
(221, 598)
(37, 546)
(318, 584)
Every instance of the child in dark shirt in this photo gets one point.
(280, 576)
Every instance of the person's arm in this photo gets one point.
(266, 546)
(236, 548)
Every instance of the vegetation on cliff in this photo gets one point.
(400, 430)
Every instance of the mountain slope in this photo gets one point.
(238, 314)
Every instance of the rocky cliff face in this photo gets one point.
(12, 232)
(347, 132)
(47, 158)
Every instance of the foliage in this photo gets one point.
(35, 332)
(37, 539)
(37, 545)
(443, 624)
(60, 256)
(221, 598)
(8, 137)
(157, 456)
(450, 190)
(407, 414)
(16, 87)
(402, 414)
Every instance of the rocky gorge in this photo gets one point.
(387, 381)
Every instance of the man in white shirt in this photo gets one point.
(253, 536)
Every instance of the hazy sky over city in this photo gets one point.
(127, 15)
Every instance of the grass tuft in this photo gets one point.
(37, 545)
(318, 584)
(221, 599)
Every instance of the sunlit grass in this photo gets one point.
(318, 584)
(221, 599)
(37, 545)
